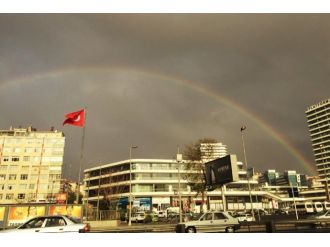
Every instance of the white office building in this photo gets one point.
(212, 151)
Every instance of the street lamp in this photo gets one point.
(130, 185)
(52, 195)
(246, 167)
(179, 160)
(294, 200)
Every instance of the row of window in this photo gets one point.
(32, 158)
(32, 141)
(33, 150)
(137, 166)
(31, 176)
(13, 177)
(138, 188)
(319, 113)
(20, 196)
(318, 130)
(28, 186)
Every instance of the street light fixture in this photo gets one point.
(130, 185)
(246, 167)
(294, 200)
(179, 160)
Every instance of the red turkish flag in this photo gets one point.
(75, 118)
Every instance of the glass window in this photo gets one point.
(219, 216)
(15, 159)
(207, 216)
(26, 158)
(55, 222)
(34, 223)
(24, 176)
(5, 159)
(21, 196)
(9, 196)
(10, 187)
(2, 186)
(22, 186)
(2, 176)
(12, 177)
(3, 168)
(29, 150)
(25, 168)
(13, 168)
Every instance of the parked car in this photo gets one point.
(51, 224)
(210, 222)
(161, 214)
(138, 217)
(244, 217)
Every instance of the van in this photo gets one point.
(138, 217)
(326, 205)
(161, 214)
(318, 207)
(302, 207)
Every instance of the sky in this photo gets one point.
(161, 81)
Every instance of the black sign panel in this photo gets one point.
(221, 171)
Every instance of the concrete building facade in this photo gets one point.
(318, 119)
(30, 164)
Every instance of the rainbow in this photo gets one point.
(194, 86)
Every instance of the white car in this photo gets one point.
(244, 217)
(51, 224)
(138, 217)
(210, 222)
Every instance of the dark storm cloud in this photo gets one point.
(273, 65)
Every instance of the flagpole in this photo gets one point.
(81, 155)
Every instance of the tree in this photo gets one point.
(195, 165)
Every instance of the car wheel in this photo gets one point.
(230, 229)
(191, 229)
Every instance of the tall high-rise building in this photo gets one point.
(318, 119)
(30, 164)
(212, 151)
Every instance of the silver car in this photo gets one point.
(210, 222)
(51, 224)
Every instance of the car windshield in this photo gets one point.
(196, 216)
(74, 219)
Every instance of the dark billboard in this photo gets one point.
(221, 171)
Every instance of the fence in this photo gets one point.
(95, 214)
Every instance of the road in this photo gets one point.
(279, 225)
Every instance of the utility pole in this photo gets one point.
(130, 186)
(179, 160)
(246, 167)
(294, 200)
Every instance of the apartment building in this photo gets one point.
(30, 164)
(318, 120)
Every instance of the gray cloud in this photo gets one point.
(274, 65)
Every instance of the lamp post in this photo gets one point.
(179, 160)
(130, 185)
(294, 201)
(52, 195)
(246, 167)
